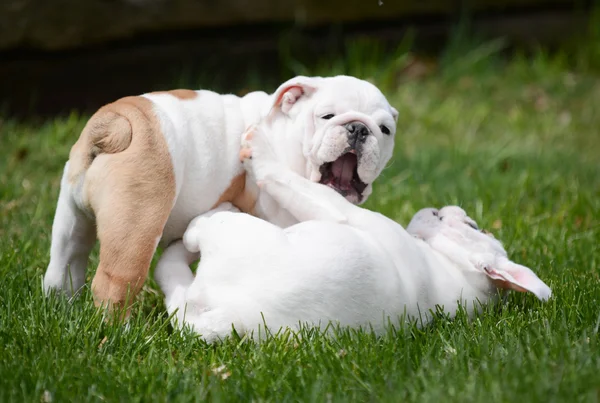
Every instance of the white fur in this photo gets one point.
(453, 233)
(204, 133)
(203, 136)
(73, 237)
(342, 264)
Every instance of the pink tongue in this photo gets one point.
(343, 169)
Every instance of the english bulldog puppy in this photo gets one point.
(341, 263)
(145, 166)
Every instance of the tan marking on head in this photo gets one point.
(129, 185)
(239, 195)
(182, 94)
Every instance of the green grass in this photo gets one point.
(515, 142)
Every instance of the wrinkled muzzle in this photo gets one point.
(346, 159)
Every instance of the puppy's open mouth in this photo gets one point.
(342, 175)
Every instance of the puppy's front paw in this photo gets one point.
(245, 154)
(257, 154)
(246, 143)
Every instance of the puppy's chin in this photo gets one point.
(367, 192)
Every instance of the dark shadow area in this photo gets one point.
(39, 83)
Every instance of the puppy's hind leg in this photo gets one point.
(129, 230)
(73, 237)
(185, 298)
(130, 185)
(174, 277)
(215, 324)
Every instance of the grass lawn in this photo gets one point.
(514, 141)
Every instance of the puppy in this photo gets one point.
(144, 166)
(340, 264)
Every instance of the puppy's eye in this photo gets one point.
(384, 129)
(328, 116)
(472, 225)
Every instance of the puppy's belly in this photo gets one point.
(195, 198)
(205, 171)
(322, 272)
(203, 135)
(185, 209)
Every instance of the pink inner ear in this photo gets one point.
(507, 285)
(288, 97)
(505, 280)
(515, 277)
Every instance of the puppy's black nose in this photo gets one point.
(357, 133)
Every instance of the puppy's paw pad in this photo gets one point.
(245, 153)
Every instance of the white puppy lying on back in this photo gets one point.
(341, 263)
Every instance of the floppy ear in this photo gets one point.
(512, 276)
(395, 113)
(291, 91)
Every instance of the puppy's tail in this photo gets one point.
(109, 131)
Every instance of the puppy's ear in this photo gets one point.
(291, 91)
(515, 277)
(395, 113)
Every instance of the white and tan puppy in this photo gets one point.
(343, 263)
(144, 166)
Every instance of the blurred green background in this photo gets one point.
(502, 123)
(60, 55)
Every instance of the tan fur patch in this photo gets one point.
(129, 184)
(238, 195)
(180, 93)
(107, 131)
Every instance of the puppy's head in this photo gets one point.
(424, 224)
(488, 254)
(345, 126)
(458, 214)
